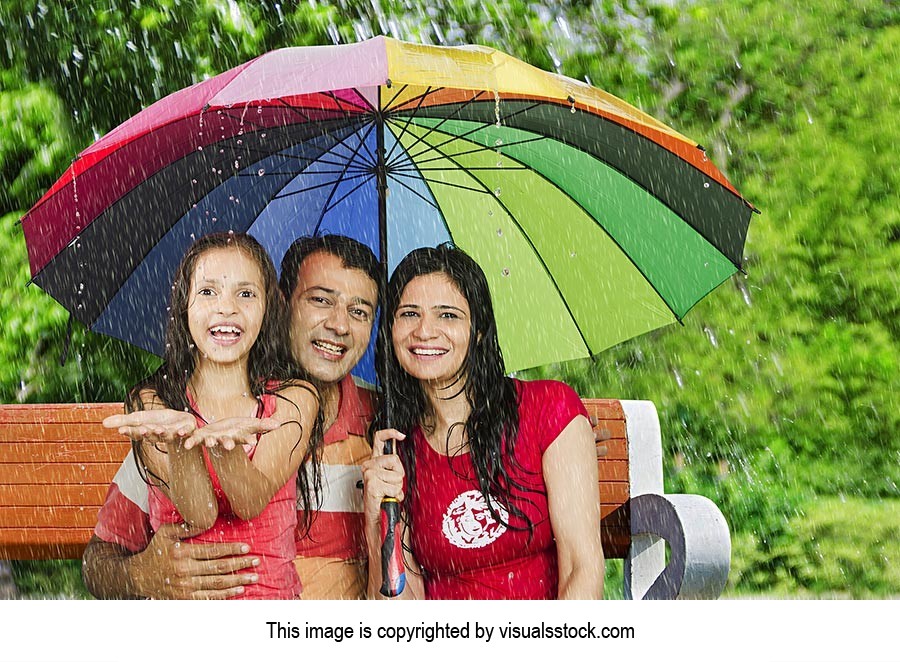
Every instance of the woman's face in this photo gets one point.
(431, 329)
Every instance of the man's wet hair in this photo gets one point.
(352, 253)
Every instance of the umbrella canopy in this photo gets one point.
(593, 221)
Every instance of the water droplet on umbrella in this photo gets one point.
(497, 191)
(705, 184)
(490, 212)
(505, 272)
(499, 232)
(261, 172)
(199, 148)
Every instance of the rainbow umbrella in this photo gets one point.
(593, 221)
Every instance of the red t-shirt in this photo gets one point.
(464, 552)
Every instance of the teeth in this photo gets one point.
(329, 347)
(429, 352)
(226, 329)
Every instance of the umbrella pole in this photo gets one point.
(393, 575)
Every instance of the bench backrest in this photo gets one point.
(57, 461)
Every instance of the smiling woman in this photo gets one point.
(499, 475)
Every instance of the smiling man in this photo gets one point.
(330, 283)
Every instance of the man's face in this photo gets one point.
(332, 310)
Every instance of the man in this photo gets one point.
(331, 285)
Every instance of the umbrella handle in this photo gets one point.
(393, 573)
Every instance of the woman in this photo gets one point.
(499, 475)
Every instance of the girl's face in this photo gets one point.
(431, 329)
(226, 304)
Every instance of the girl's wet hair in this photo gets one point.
(493, 424)
(270, 367)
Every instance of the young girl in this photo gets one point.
(196, 424)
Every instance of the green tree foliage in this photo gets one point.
(783, 383)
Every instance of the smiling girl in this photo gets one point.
(220, 430)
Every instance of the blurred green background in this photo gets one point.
(778, 398)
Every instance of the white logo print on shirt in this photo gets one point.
(468, 524)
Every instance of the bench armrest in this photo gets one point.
(699, 548)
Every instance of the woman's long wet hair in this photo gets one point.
(270, 367)
(493, 424)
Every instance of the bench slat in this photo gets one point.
(39, 495)
(58, 413)
(37, 431)
(67, 451)
(47, 517)
(53, 473)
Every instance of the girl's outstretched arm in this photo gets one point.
(251, 484)
(178, 471)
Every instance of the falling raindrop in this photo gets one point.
(497, 107)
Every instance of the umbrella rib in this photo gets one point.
(485, 148)
(329, 207)
(295, 109)
(472, 168)
(369, 107)
(387, 159)
(407, 153)
(317, 186)
(341, 102)
(481, 125)
(337, 182)
(438, 181)
(412, 190)
(394, 98)
(420, 98)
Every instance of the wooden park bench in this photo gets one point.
(57, 460)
